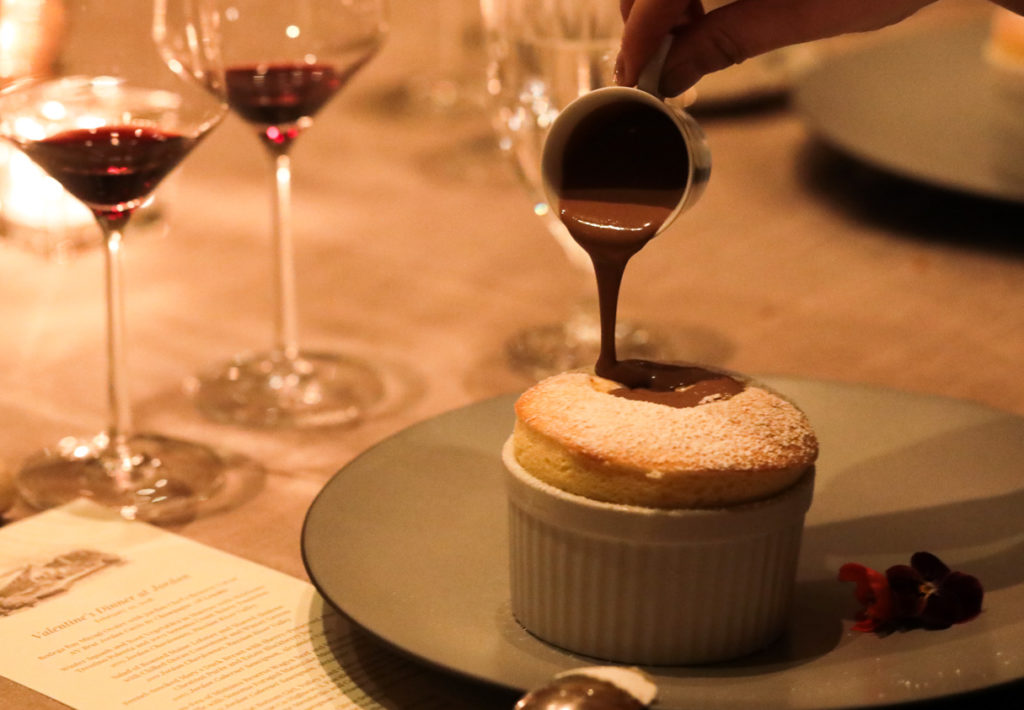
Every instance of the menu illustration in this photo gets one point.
(26, 585)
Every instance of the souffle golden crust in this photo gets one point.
(572, 434)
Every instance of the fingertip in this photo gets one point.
(618, 75)
(626, 72)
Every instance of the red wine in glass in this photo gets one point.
(278, 96)
(111, 167)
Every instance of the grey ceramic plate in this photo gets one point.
(409, 541)
(922, 107)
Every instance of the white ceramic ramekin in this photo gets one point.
(648, 586)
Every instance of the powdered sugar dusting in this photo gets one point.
(754, 429)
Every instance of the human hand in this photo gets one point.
(708, 41)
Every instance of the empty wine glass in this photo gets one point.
(451, 83)
(283, 62)
(109, 122)
(542, 55)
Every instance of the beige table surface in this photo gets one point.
(417, 249)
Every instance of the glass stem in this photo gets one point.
(119, 428)
(285, 329)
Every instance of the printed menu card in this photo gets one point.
(101, 613)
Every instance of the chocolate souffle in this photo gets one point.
(585, 435)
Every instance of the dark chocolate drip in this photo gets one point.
(609, 259)
(621, 178)
(576, 692)
(716, 388)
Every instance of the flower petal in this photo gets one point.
(866, 623)
(858, 573)
(957, 600)
(872, 591)
(906, 586)
(931, 567)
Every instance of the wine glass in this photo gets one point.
(452, 85)
(542, 55)
(109, 122)
(283, 62)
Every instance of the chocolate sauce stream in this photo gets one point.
(621, 179)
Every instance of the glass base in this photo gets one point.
(148, 477)
(544, 350)
(274, 391)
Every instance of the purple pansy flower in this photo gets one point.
(925, 593)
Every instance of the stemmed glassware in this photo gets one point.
(283, 62)
(452, 84)
(109, 121)
(542, 55)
